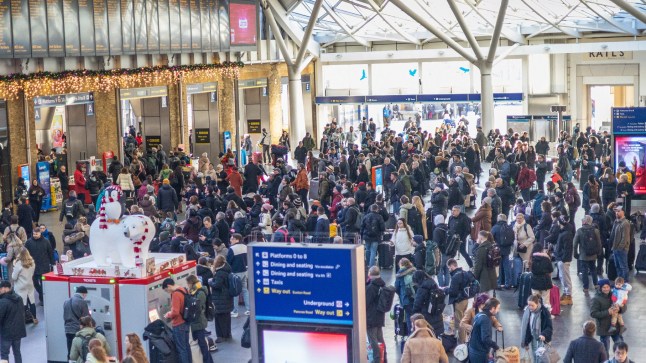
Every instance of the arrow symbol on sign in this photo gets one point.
(258, 281)
(338, 267)
(347, 313)
(257, 263)
(257, 272)
(258, 290)
(257, 254)
(347, 304)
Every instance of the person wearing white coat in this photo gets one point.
(265, 221)
(403, 240)
(21, 278)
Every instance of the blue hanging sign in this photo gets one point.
(629, 120)
(304, 285)
(448, 97)
(227, 140)
(519, 118)
(341, 99)
(391, 99)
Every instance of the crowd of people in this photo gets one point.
(416, 220)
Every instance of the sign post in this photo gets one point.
(42, 176)
(310, 294)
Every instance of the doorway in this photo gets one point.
(602, 98)
(204, 120)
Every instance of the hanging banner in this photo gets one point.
(42, 173)
(227, 141)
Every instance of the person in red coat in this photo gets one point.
(526, 179)
(235, 181)
(79, 182)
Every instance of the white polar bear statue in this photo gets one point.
(123, 241)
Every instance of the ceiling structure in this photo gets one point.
(366, 21)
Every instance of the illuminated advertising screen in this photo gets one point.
(632, 151)
(242, 20)
(304, 346)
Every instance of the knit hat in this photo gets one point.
(298, 202)
(595, 208)
(362, 184)
(267, 207)
(164, 236)
(150, 189)
(603, 282)
(108, 197)
(487, 200)
(166, 182)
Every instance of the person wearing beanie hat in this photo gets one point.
(166, 182)
(602, 309)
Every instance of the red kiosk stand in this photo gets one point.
(118, 305)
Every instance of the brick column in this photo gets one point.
(226, 99)
(175, 119)
(17, 140)
(107, 123)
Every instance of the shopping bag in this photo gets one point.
(461, 352)
(525, 356)
(545, 354)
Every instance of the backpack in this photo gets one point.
(191, 310)
(69, 209)
(357, 222)
(286, 236)
(588, 243)
(532, 176)
(85, 345)
(433, 258)
(12, 237)
(464, 186)
(493, 256)
(235, 285)
(414, 220)
(508, 236)
(436, 301)
(453, 245)
(513, 170)
(385, 298)
(472, 285)
(209, 308)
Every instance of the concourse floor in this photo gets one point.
(567, 326)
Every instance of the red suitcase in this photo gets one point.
(555, 300)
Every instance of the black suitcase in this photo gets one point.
(401, 328)
(611, 269)
(386, 252)
(524, 289)
(640, 262)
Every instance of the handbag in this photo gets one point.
(461, 352)
(545, 354)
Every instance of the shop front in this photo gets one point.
(145, 118)
(203, 119)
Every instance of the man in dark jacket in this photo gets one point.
(12, 322)
(424, 286)
(71, 209)
(375, 319)
(167, 200)
(350, 220)
(460, 280)
(94, 185)
(499, 232)
(43, 255)
(396, 191)
(602, 309)
(460, 224)
(251, 173)
(372, 230)
(563, 255)
(387, 169)
(439, 200)
(322, 229)
(26, 215)
(601, 224)
(224, 230)
(506, 194)
(64, 180)
(440, 236)
(586, 349)
(73, 310)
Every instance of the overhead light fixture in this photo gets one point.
(441, 52)
(391, 55)
(547, 49)
(339, 56)
(604, 46)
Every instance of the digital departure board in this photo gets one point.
(185, 23)
(86, 24)
(20, 27)
(114, 27)
(38, 28)
(127, 26)
(141, 26)
(175, 26)
(71, 19)
(164, 26)
(102, 41)
(55, 29)
(6, 40)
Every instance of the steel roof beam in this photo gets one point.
(572, 33)
(609, 20)
(495, 37)
(404, 34)
(430, 15)
(426, 24)
(465, 29)
(307, 37)
(343, 25)
(508, 33)
(638, 14)
(293, 32)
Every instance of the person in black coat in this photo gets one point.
(43, 254)
(375, 319)
(167, 200)
(204, 272)
(506, 194)
(26, 216)
(221, 298)
(541, 268)
(224, 230)
(439, 200)
(300, 153)
(251, 173)
(455, 194)
(372, 230)
(586, 348)
(425, 284)
(563, 253)
(12, 322)
(543, 333)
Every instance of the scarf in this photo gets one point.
(535, 322)
(108, 198)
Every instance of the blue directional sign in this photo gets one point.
(629, 120)
(304, 285)
(518, 118)
(448, 97)
(391, 99)
(341, 99)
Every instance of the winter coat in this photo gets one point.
(585, 349)
(77, 343)
(148, 207)
(457, 285)
(485, 275)
(480, 340)
(192, 228)
(524, 236)
(23, 284)
(12, 317)
(322, 230)
(167, 199)
(541, 272)
(545, 329)
(222, 301)
(564, 247)
(200, 295)
(42, 253)
(481, 221)
(404, 286)
(439, 203)
(403, 240)
(73, 310)
(423, 348)
(26, 217)
(372, 219)
(599, 306)
(235, 181)
(374, 318)
(542, 229)
(420, 305)
(125, 182)
(161, 339)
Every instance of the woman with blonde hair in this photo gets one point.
(135, 349)
(417, 203)
(97, 353)
(21, 279)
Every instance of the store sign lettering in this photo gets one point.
(610, 55)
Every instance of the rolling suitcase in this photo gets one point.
(555, 300)
(640, 262)
(524, 289)
(386, 252)
(399, 315)
(517, 270)
(314, 188)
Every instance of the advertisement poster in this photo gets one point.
(43, 179)
(242, 17)
(632, 150)
(227, 141)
